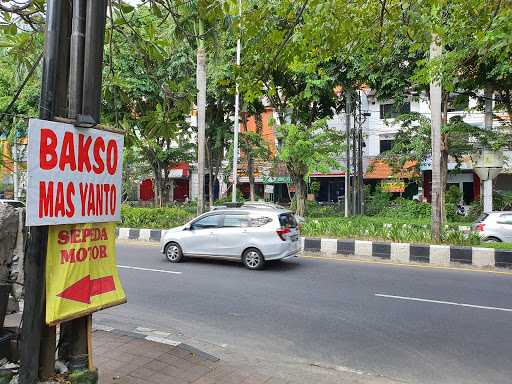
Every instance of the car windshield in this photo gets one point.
(287, 220)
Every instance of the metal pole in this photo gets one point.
(360, 174)
(355, 180)
(348, 112)
(76, 62)
(96, 15)
(236, 127)
(435, 107)
(33, 314)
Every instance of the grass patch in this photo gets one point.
(504, 246)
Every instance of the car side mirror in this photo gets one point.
(187, 227)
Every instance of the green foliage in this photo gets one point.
(163, 218)
(376, 202)
(385, 229)
(307, 149)
(314, 187)
(407, 209)
(502, 201)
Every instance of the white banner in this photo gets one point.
(74, 174)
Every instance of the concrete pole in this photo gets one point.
(348, 112)
(435, 108)
(236, 127)
(487, 184)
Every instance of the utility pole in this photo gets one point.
(355, 180)
(435, 108)
(34, 330)
(360, 174)
(236, 127)
(201, 115)
(348, 112)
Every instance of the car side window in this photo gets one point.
(259, 221)
(236, 221)
(505, 219)
(211, 221)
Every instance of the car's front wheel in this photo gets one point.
(492, 239)
(253, 259)
(173, 253)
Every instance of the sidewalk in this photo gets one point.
(127, 358)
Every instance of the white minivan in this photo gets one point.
(250, 235)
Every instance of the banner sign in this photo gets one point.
(81, 273)
(74, 174)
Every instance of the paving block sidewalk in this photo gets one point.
(126, 358)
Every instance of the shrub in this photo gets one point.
(314, 209)
(407, 209)
(157, 218)
(376, 202)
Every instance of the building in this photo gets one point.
(379, 128)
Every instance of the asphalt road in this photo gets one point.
(369, 320)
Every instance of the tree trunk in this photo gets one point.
(444, 159)
(201, 121)
(171, 190)
(300, 195)
(250, 173)
(210, 187)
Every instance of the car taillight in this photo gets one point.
(480, 227)
(281, 232)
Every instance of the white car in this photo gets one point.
(250, 235)
(495, 226)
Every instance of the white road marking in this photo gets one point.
(444, 302)
(149, 269)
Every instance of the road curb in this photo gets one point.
(432, 254)
(160, 340)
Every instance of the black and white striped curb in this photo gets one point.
(442, 255)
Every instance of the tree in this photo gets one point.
(198, 21)
(306, 149)
(253, 145)
(412, 142)
(146, 94)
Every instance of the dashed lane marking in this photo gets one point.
(443, 302)
(149, 269)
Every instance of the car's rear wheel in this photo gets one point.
(492, 239)
(173, 253)
(253, 259)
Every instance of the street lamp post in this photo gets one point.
(236, 127)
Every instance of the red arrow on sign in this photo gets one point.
(85, 288)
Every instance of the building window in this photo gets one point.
(391, 111)
(386, 145)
